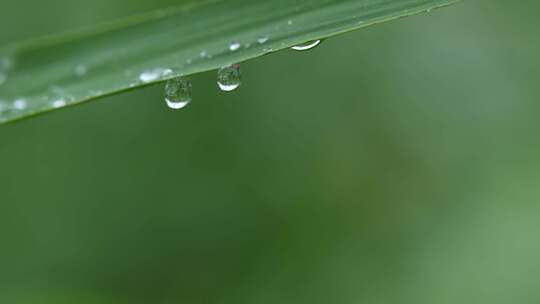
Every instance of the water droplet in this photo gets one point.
(153, 75)
(234, 46)
(268, 50)
(80, 70)
(203, 54)
(166, 72)
(178, 93)
(19, 104)
(289, 22)
(59, 103)
(262, 39)
(306, 46)
(229, 77)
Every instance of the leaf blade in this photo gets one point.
(53, 72)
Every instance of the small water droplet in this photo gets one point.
(262, 39)
(153, 75)
(80, 70)
(289, 22)
(19, 104)
(268, 50)
(166, 72)
(306, 46)
(229, 78)
(178, 93)
(203, 54)
(234, 46)
(59, 103)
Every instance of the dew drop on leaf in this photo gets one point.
(178, 92)
(80, 70)
(262, 39)
(19, 104)
(59, 103)
(153, 75)
(229, 78)
(234, 46)
(306, 46)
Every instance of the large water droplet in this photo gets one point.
(307, 45)
(229, 78)
(178, 93)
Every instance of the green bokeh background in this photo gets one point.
(396, 164)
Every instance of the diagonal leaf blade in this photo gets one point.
(53, 72)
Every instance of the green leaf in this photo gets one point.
(50, 73)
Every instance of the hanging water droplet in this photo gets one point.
(306, 46)
(229, 78)
(234, 46)
(178, 93)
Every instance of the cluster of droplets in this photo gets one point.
(178, 91)
(18, 104)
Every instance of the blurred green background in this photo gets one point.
(396, 164)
